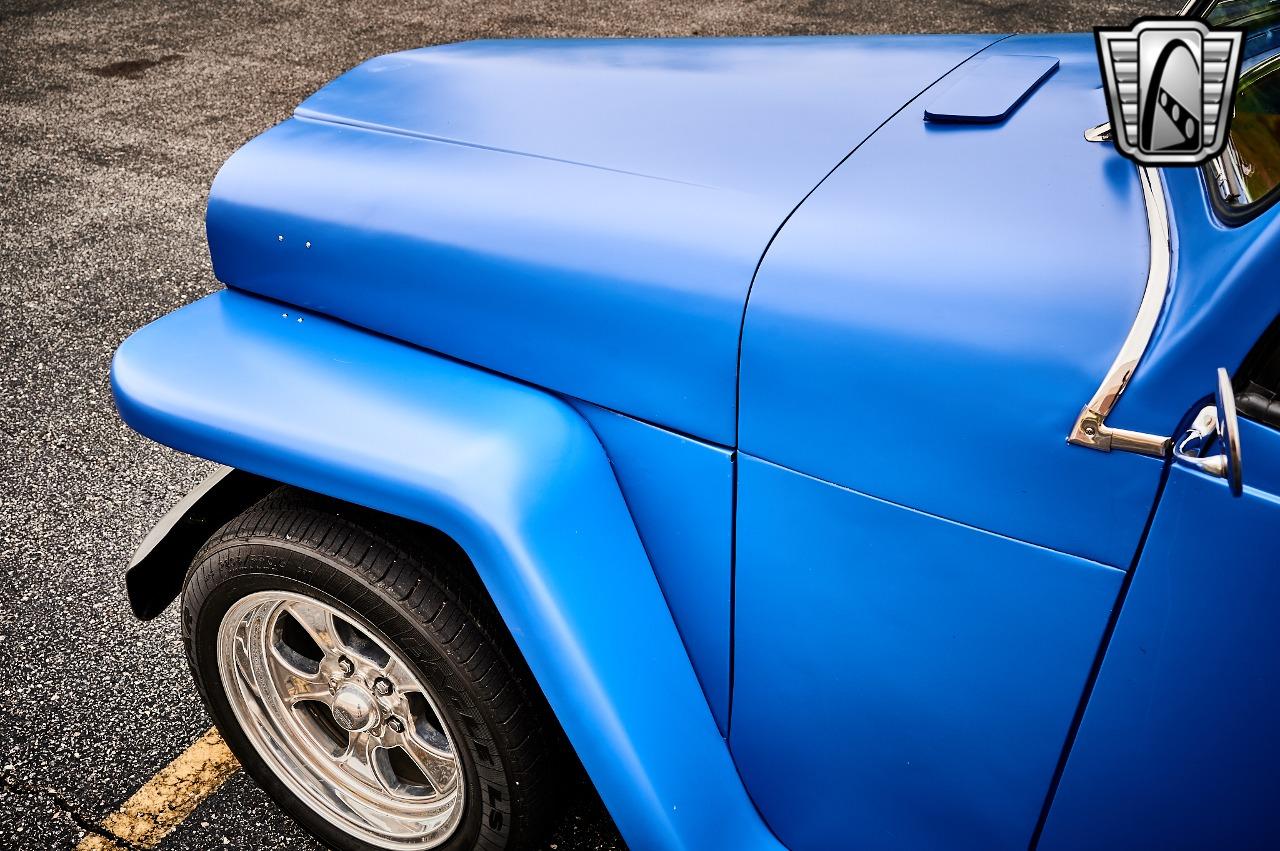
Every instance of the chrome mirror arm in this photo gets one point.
(1090, 429)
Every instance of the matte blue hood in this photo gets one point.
(583, 215)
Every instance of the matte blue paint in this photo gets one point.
(920, 597)
(901, 681)
(930, 322)
(327, 407)
(680, 493)
(583, 215)
(1179, 745)
(989, 88)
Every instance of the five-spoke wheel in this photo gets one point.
(342, 718)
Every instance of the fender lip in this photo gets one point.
(177, 514)
(154, 576)
(516, 477)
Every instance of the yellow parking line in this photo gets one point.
(168, 797)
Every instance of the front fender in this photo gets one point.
(515, 476)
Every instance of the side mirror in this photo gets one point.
(1217, 419)
(1229, 432)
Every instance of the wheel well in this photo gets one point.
(155, 576)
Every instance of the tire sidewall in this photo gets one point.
(267, 565)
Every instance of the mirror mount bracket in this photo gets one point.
(1091, 431)
(1221, 421)
(1189, 447)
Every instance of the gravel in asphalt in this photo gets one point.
(114, 117)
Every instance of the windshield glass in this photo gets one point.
(1249, 170)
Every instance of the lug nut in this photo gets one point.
(383, 686)
(346, 666)
(395, 724)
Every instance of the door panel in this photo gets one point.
(1180, 744)
(901, 681)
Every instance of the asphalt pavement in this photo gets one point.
(114, 117)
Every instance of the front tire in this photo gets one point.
(364, 680)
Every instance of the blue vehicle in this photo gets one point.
(825, 439)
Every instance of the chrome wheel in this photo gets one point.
(342, 720)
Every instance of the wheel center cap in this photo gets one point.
(353, 708)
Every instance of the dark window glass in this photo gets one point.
(1250, 167)
(1258, 382)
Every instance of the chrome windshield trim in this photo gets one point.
(1091, 429)
(1101, 133)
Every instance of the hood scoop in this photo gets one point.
(987, 91)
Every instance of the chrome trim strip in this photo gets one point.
(1101, 133)
(1091, 429)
